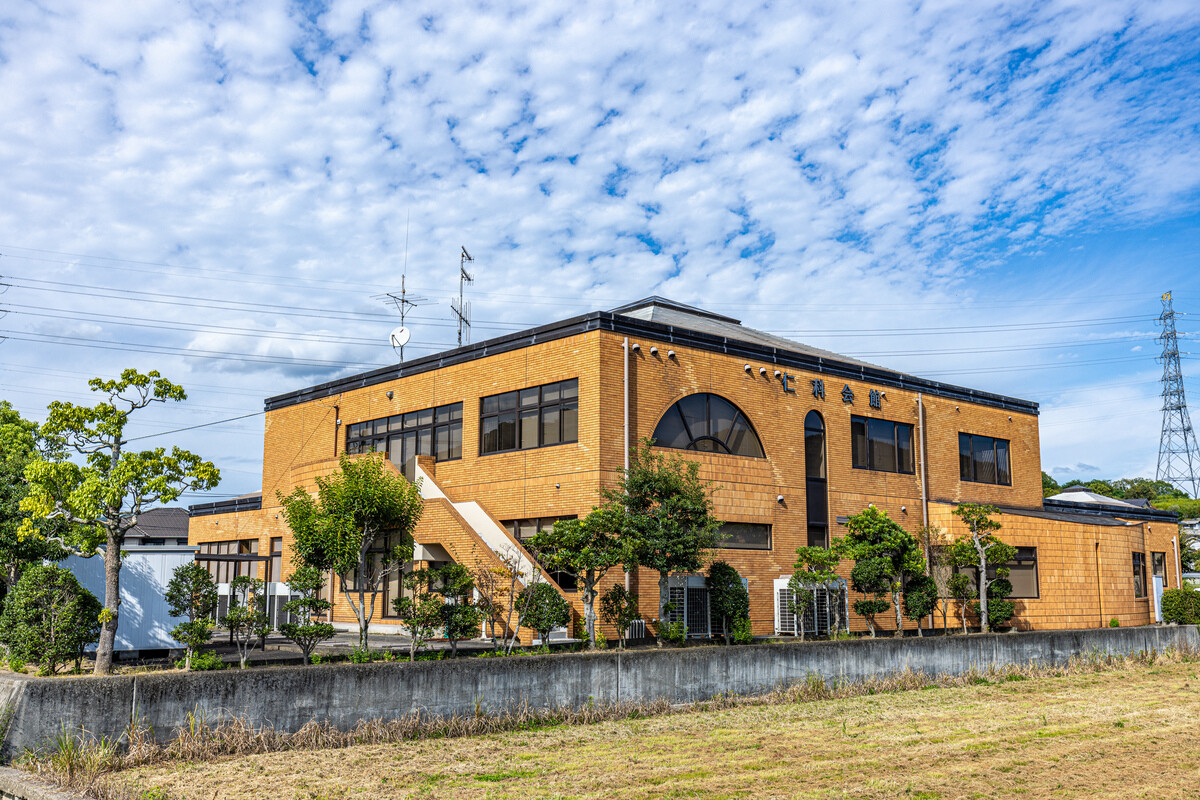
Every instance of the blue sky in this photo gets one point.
(993, 195)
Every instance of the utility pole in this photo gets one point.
(1178, 455)
(463, 313)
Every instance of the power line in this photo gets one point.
(75, 341)
(194, 427)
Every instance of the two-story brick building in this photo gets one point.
(509, 434)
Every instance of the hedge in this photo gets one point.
(1181, 606)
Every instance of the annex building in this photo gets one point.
(510, 434)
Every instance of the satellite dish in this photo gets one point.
(400, 336)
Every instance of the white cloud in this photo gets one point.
(875, 166)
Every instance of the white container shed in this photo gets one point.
(145, 623)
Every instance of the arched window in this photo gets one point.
(710, 424)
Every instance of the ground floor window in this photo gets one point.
(1022, 574)
(1158, 566)
(687, 602)
(746, 536)
(1139, 574)
(525, 529)
(225, 571)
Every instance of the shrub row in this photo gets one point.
(1181, 606)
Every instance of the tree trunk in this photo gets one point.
(962, 613)
(899, 615)
(589, 608)
(663, 598)
(112, 605)
(983, 585)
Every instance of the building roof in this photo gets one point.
(161, 523)
(1065, 516)
(1082, 494)
(677, 315)
(676, 323)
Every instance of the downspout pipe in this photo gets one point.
(625, 424)
(924, 491)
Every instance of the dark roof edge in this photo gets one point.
(1104, 510)
(230, 506)
(616, 323)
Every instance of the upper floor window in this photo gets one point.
(710, 424)
(983, 459)
(880, 444)
(433, 432)
(539, 416)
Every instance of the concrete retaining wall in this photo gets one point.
(288, 697)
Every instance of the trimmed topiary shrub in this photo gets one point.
(1181, 606)
(49, 619)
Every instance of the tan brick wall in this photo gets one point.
(301, 443)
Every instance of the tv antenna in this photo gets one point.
(403, 302)
(462, 312)
(1178, 455)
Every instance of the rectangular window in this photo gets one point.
(982, 459)
(1022, 574)
(818, 536)
(275, 565)
(1158, 566)
(1139, 574)
(881, 445)
(435, 432)
(745, 536)
(524, 529)
(540, 416)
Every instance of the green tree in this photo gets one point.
(18, 448)
(1049, 486)
(544, 609)
(962, 589)
(192, 594)
(589, 547)
(870, 576)
(889, 556)
(463, 620)
(307, 582)
(345, 527)
(920, 599)
(246, 619)
(817, 567)
(103, 497)
(727, 596)
(49, 619)
(982, 549)
(419, 609)
(667, 524)
(619, 608)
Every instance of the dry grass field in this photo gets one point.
(1131, 731)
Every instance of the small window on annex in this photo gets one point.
(707, 423)
(1139, 574)
(1158, 567)
(881, 445)
(539, 416)
(982, 459)
(1022, 574)
(745, 536)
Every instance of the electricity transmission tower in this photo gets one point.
(1178, 455)
(461, 312)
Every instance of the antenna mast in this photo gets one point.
(1178, 455)
(402, 301)
(463, 313)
